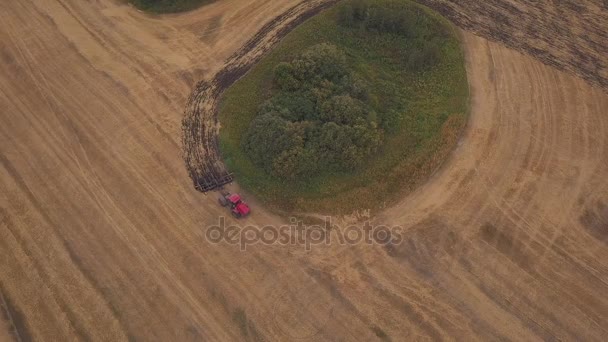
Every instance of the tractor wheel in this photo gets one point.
(236, 215)
(223, 201)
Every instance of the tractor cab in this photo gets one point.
(237, 206)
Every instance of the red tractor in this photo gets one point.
(238, 208)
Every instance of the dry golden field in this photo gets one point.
(102, 233)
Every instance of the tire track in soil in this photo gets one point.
(200, 125)
(16, 325)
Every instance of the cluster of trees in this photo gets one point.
(319, 118)
(405, 21)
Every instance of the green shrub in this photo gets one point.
(424, 58)
(408, 22)
(313, 123)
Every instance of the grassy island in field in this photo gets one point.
(168, 6)
(353, 108)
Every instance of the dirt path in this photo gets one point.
(102, 233)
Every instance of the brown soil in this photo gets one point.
(568, 34)
(102, 233)
(5, 332)
(12, 322)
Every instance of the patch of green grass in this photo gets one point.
(168, 6)
(427, 110)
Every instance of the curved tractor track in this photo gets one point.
(200, 126)
(538, 28)
(102, 236)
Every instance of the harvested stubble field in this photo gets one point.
(102, 233)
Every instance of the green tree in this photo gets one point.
(317, 120)
(342, 109)
(267, 137)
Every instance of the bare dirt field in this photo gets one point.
(6, 332)
(568, 34)
(102, 233)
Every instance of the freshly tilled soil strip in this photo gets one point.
(200, 126)
(543, 29)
